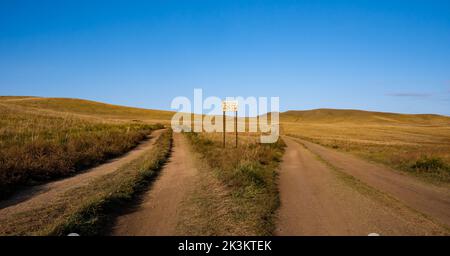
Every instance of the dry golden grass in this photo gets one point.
(87, 109)
(43, 139)
(417, 144)
(87, 209)
(361, 117)
(248, 176)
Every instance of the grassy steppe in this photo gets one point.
(89, 209)
(43, 139)
(87, 109)
(416, 144)
(248, 174)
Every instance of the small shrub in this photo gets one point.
(429, 164)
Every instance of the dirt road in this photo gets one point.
(426, 198)
(159, 212)
(39, 196)
(317, 200)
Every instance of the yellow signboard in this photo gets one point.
(229, 105)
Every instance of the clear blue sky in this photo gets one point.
(373, 55)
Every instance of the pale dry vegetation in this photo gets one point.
(89, 209)
(88, 109)
(417, 148)
(38, 145)
(248, 174)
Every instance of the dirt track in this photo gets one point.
(39, 196)
(158, 213)
(315, 200)
(426, 198)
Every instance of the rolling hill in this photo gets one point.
(361, 117)
(84, 108)
(104, 111)
(46, 138)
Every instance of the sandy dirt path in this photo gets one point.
(45, 194)
(429, 199)
(160, 208)
(315, 200)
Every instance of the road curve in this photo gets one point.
(429, 199)
(316, 201)
(39, 196)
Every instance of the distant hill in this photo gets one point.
(114, 112)
(84, 108)
(360, 116)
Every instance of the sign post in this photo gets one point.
(224, 128)
(235, 126)
(231, 106)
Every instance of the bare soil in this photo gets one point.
(427, 198)
(318, 200)
(159, 211)
(41, 195)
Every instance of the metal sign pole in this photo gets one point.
(231, 106)
(236, 126)
(224, 126)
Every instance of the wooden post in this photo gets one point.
(236, 127)
(224, 128)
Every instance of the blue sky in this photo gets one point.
(372, 55)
